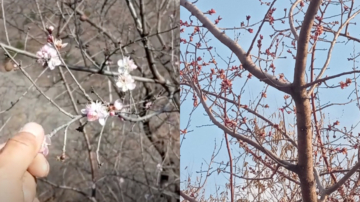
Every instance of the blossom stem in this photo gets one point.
(99, 142)
(65, 125)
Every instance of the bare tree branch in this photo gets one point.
(236, 48)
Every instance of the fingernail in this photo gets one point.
(32, 128)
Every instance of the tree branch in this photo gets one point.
(291, 20)
(273, 156)
(303, 43)
(317, 178)
(254, 113)
(247, 63)
(336, 186)
(69, 188)
(83, 69)
(186, 197)
(336, 35)
(311, 84)
(262, 23)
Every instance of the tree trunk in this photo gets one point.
(305, 155)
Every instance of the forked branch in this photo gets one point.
(247, 63)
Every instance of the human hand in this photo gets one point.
(21, 163)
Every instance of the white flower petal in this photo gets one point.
(102, 121)
(51, 66)
(84, 111)
(120, 63)
(56, 61)
(131, 86)
(119, 84)
(124, 88)
(118, 105)
(126, 65)
(122, 70)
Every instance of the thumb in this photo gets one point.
(20, 151)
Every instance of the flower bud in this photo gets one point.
(50, 29)
(8, 65)
(83, 17)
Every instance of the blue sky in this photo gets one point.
(198, 145)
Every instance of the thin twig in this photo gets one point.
(28, 76)
(4, 18)
(98, 145)
(53, 132)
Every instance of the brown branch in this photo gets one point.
(36, 86)
(230, 158)
(92, 23)
(336, 186)
(142, 29)
(303, 109)
(82, 68)
(252, 112)
(69, 188)
(273, 156)
(187, 197)
(260, 178)
(262, 23)
(335, 171)
(330, 51)
(332, 104)
(231, 167)
(247, 63)
(303, 42)
(93, 165)
(351, 9)
(328, 78)
(328, 166)
(357, 182)
(272, 168)
(342, 34)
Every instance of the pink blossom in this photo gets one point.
(125, 82)
(59, 45)
(48, 51)
(50, 28)
(96, 111)
(117, 106)
(48, 56)
(126, 65)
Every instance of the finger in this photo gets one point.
(2, 145)
(29, 187)
(36, 200)
(20, 151)
(11, 190)
(39, 167)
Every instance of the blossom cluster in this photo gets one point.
(125, 81)
(100, 111)
(47, 55)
